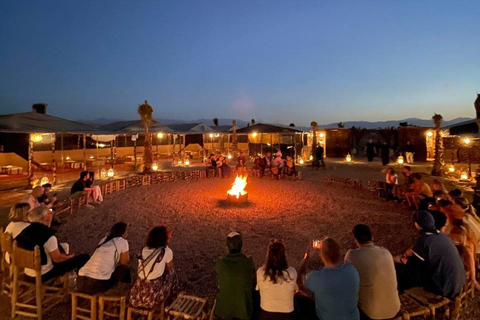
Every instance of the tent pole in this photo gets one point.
(135, 154)
(63, 163)
(261, 144)
(30, 161)
(111, 153)
(271, 143)
(85, 150)
(54, 164)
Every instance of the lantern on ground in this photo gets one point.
(103, 173)
(464, 176)
(110, 173)
(301, 162)
(67, 158)
(348, 158)
(467, 141)
(229, 156)
(451, 169)
(211, 135)
(400, 160)
(154, 167)
(311, 158)
(36, 137)
(187, 162)
(43, 181)
(160, 135)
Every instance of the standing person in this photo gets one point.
(385, 153)
(157, 281)
(409, 152)
(370, 150)
(109, 263)
(320, 155)
(336, 286)
(277, 283)
(259, 164)
(378, 295)
(54, 263)
(235, 276)
(433, 262)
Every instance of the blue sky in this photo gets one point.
(278, 61)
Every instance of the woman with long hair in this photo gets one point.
(277, 283)
(157, 281)
(96, 191)
(108, 264)
(18, 219)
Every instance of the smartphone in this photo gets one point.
(317, 244)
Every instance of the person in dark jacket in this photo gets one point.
(385, 153)
(370, 150)
(319, 155)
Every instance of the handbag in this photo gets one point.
(147, 293)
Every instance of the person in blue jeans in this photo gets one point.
(335, 286)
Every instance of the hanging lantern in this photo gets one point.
(466, 140)
(254, 134)
(187, 162)
(348, 158)
(67, 158)
(103, 173)
(400, 160)
(36, 137)
(301, 162)
(110, 173)
(464, 176)
(229, 156)
(154, 167)
(160, 135)
(43, 181)
(322, 135)
(430, 134)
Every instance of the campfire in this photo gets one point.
(237, 193)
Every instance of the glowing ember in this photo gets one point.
(238, 187)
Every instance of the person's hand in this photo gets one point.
(70, 256)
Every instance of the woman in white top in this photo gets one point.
(18, 219)
(155, 269)
(277, 283)
(108, 264)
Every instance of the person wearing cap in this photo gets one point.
(235, 276)
(433, 262)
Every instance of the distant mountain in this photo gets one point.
(393, 123)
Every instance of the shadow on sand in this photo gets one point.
(225, 204)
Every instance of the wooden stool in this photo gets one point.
(155, 314)
(410, 308)
(212, 173)
(112, 307)
(430, 300)
(187, 308)
(84, 306)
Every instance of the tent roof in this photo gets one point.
(192, 128)
(132, 126)
(33, 122)
(267, 128)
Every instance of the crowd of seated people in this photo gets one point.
(218, 165)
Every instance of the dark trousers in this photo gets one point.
(93, 286)
(61, 268)
(265, 315)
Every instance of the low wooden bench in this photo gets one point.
(410, 308)
(84, 306)
(335, 179)
(187, 308)
(155, 314)
(77, 200)
(431, 301)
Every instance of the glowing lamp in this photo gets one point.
(187, 163)
(211, 135)
(400, 160)
(160, 135)
(451, 169)
(348, 158)
(36, 137)
(154, 167)
(254, 134)
(179, 162)
(43, 181)
(311, 158)
(301, 161)
(229, 156)
(67, 158)
(101, 145)
(466, 140)
(35, 182)
(92, 157)
(429, 133)
(110, 173)
(322, 135)
(103, 173)
(464, 176)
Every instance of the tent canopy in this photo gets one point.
(135, 126)
(268, 128)
(191, 128)
(33, 122)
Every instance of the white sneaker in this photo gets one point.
(89, 206)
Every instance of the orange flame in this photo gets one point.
(238, 187)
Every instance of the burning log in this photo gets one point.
(237, 193)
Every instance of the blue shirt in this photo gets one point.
(336, 292)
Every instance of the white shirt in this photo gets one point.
(31, 200)
(102, 263)
(49, 246)
(14, 228)
(159, 268)
(277, 297)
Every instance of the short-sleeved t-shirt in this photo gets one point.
(159, 267)
(277, 297)
(79, 185)
(14, 228)
(336, 292)
(49, 246)
(102, 263)
(32, 201)
(443, 266)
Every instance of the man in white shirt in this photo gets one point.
(54, 262)
(378, 295)
(32, 198)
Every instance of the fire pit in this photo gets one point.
(237, 193)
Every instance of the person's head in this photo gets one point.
(455, 193)
(417, 176)
(268, 154)
(84, 175)
(234, 242)
(390, 171)
(279, 154)
(440, 194)
(370, 140)
(362, 234)
(276, 261)
(407, 170)
(462, 202)
(437, 185)
(158, 237)
(47, 187)
(38, 191)
(440, 219)
(19, 212)
(330, 252)
(118, 230)
(91, 175)
(41, 215)
(424, 220)
(408, 142)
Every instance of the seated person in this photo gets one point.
(277, 283)
(378, 295)
(391, 180)
(32, 198)
(400, 190)
(259, 164)
(81, 186)
(211, 163)
(96, 191)
(108, 264)
(335, 286)
(290, 167)
(241, 164)
(18, 216)
(433, 262)
(277, 165)
(420, 191)
(223, 166)
(235, 276)
(38, 233)
(455, 193)
(267, 162)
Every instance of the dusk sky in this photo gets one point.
(275, 61)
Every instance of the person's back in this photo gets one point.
(78, 186)
(235, 274)
(378, 295)
(336, 292)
